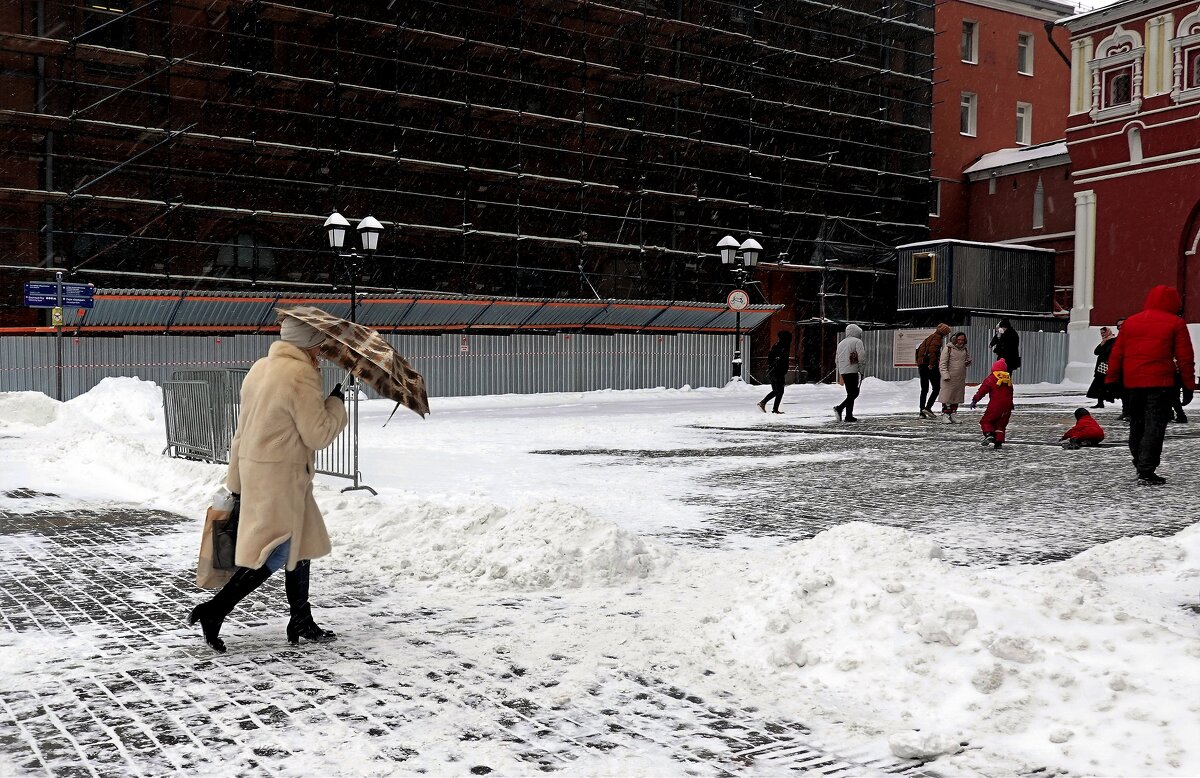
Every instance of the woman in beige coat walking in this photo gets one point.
(284, 421)
(953, 366)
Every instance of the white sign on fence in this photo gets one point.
(904, 346)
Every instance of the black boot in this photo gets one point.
(212, 614)
(301, 625)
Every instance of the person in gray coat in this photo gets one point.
(851, 356)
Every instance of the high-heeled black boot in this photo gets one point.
(301, 624)
(212, 614)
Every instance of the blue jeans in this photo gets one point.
(279, 556)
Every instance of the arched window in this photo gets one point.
(245, 252)
(1117, 75)
(1120, 88)
(1135, 144)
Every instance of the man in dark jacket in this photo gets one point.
(1153, 348)
(778, 362)
(1006, 344)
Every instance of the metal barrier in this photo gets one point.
(1043, 355)
(188, 412)
(454, 365)
(201, 410)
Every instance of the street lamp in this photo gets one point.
(739, 299)
(368, 230)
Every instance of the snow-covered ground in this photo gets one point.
(864, 632)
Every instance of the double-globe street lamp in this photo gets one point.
(369, 230)
(739, 298)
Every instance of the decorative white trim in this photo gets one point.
(1186, 36)
(1122, 174)
(1092, 171)
(1120, 49)
(1040, 238)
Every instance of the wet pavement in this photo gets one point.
(123, 687)
(1030, 501)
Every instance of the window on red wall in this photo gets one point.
(970, 42)
(1118, 86)
(1192, 69)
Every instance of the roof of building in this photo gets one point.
(138, 310)
(1115, 12)
(1008, 161)
(1047, 10)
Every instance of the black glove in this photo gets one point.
(1187, 396)
(337, 392)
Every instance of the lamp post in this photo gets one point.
(368, 229)
(739, 299)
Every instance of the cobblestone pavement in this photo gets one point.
(125, 688)
(1028, 502)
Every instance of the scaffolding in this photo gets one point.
(552, 149)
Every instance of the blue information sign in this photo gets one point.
(45, 295)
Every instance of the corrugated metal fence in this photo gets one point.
(1043, 355)
(453, 365)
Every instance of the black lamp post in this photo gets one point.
(369, 230)
(750, 248)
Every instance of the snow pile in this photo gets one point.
(548, 544)
(124, 405)
(1045, 663)
(31, 409)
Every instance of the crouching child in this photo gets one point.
(1086, 432)
(998, 386)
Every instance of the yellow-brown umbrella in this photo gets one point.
(365, 353)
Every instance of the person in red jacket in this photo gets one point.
(1086, 432)
(1153, 347)
(998, 384)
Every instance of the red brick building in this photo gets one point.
(999, 84)
(1025, 196)
(1134, 140)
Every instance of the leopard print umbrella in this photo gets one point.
(365, 353)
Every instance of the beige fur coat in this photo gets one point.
(284, 420)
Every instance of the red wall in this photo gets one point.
(999, 88)
(1147, 213)
(1008, 214)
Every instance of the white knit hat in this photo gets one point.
(299, 334)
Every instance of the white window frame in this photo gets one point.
(935, 208)
(1024, 124)
(974, 42)
(1186, 40)
(970, 100)
(1025, 40)
(1123, 49)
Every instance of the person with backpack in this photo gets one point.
(778, 361)
(851, 356)
(927, 357)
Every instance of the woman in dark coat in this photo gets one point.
(1006, 344)
(778, 361)
(1096, 391)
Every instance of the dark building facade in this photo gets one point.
(558, 148)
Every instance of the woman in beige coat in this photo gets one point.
(284, 421)
(953, 366)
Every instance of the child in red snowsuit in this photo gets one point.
(998, 384)
(1086, 432)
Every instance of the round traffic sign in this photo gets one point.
(738, 300)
